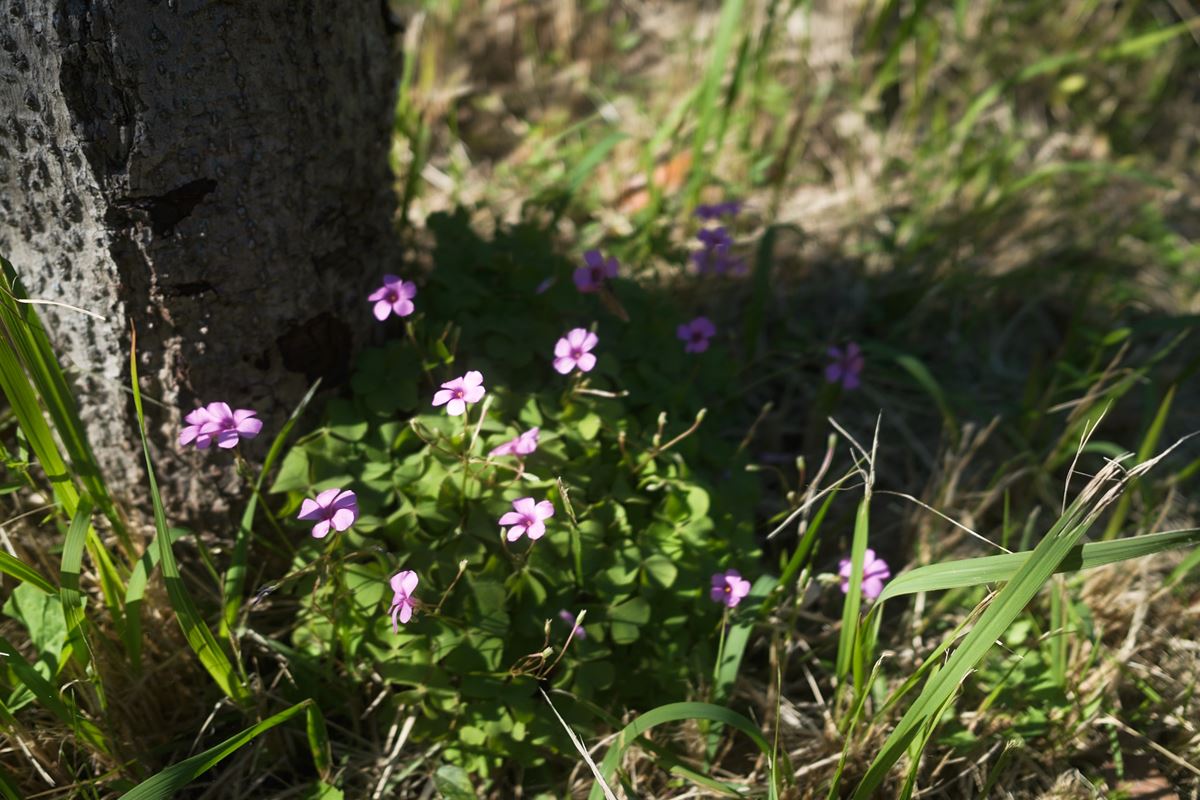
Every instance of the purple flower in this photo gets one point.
(527, 519)
(729, 588)
(404, 583)
(846, 366)
(717, 210)
(569, 618)
(717, 254)
(394, 297)
(457, 393)
(596, 270)
(696, 334)
(217, 421)
(875, 572)
(191, 432)
(523, 445)
(713, 238)
(572, 351)
(333, 508)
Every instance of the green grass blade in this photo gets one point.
(318, 740)
(15, 567)
(72, 598)
(853, 602)
(197, 633)
(166, 784)
(995, 569)
(134, 592)
(1149, 445)
(677, 712)
(23, 399)
(234, 583)
(28, 335)
(1006, 606)
(48, 696)
(706, 100)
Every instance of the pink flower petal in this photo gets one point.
(343, 518)
(472, 378)
(586, 362)
(515, 532)
(227, 439)
(589, 341)
(403, 307)
(562, 348)
(511, 518)
(381, 310)
(475, 394)
(536, 531)
(442, 396)
(310, 509)
(564, 365)
(321, 529)
(544, 510)
(525, 506)
(406, 611)
(326, 497)
(455, 407)
(576, 337)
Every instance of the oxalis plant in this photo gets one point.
(507, 527)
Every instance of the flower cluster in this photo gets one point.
(336, 509)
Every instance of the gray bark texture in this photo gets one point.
(214, 173)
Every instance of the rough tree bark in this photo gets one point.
(214, 173)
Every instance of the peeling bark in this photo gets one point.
(214, 173)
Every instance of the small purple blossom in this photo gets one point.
(596, 270)
(394, 297)
(523, 445)
(457, 393)
(714, 211)
(569, 618)
(716, 256)
(404, 583)
(695, 334)
(875, 572)
(846, 366)
(218, 422)
(729, 588)
(528, 519)
(573, 350)
(333, 508)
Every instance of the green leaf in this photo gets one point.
(453, 783)
(166, 784)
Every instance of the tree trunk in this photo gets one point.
(214, 173)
